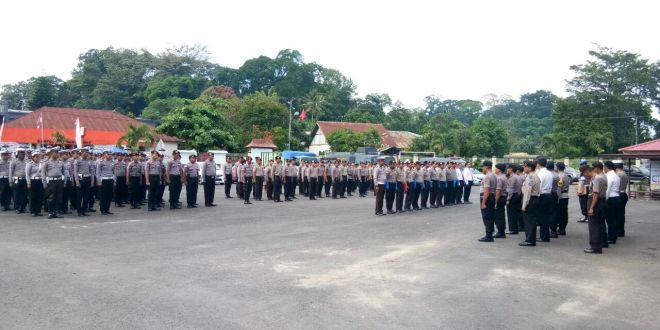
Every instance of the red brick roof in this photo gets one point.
(645, 147)
(328, 127)
(261, 143)
(102, 127)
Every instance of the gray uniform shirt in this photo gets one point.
(120, 168)
(380, 176)
(81, 168)
(17, 169)
(134, 169)
(442, 174)
(4, 168)
(52, 169)
(153, 167)
(191, 170)
(531, 187)
(278, 170)
(33, 170)
(105, 169)
(209, 168)
(174, 167)
(623, 184)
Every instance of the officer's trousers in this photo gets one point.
(53, 194)
(36, 196)
(82, 194)
(530, 217)
(209, 189)
(277, 185)
(107, 186)
(621, 226)
(192, 185)
(425, 193)
(500, 218)
(20, 195)
(597, 234)
(390, 195)
(312, 187)
(514, 213)
(228, 183)
(400, 194)
(258, 187)
(562, 214)
(546, 207)
(121, 190)
(488, 214)
(380, 195)
(134, 186)
(247, 186)
(5, 193)
(175, 190)
(612, 213)
(154, 188)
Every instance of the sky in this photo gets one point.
(408, 49)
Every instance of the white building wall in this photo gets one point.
(319, 143)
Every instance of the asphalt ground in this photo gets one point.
(326, 264)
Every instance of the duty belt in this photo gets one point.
(53, 179)
(107, 178)
(84, 175)
(36, 178)
(4, 177)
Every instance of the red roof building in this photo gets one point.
(389, 139)
(262, 143)
(101, 127)
(648, 147)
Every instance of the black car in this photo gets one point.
(638, 173)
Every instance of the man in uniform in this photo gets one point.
(390, 187)
(105, 178)
(487, 196)
(343, 168)
(239, 178)
(336, 180)
(442, 185)
(259, 175)
(312, 177)
(468, 179)
(163, 181)
(500, 200)
(555, 200)
(409, 173)
(450, 174)
(327, 177)
(400, 191)
(227, 170)
(418, 186)
(247, 177)
(514, 199)
(433, 185)
(208, 169)
(613, 202)
(5, 188)
(278, 177)
(350, 178)
(459, 183)
(152, 173)
(426, 185)
(134, 177)
(268, 174)
(35, 184)
(583, 192)
(68, 187)
(596, 209)
(73, 192)
(52, 174)
(531, 190)
(546, 202)
(82, 178)
(19, 181)
(623, 195)
(173, 172)
(562, 208)
(302, 178)
(121, 189)
(93, 193)
(320, 171)
(380, 178)
(191, 180)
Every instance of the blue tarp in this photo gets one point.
(289, 154)
(117, 150)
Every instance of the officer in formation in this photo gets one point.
(191, 180)
(208, 180)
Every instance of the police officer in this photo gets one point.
(487, 196)
(134, 179)
(247, 177)
(312, 177)
(400, 183)
(336, 180)
(5, 188)
(531, 190)
(450, 175)
(390, 187)
(208, 169)
(19, 181)
(152, 173)
(73, 192)
(500, 200)
(35, 184)
(410, 174)
(68, 188)
(442, 185)
(289, 175)
(380, 178)
(239, 178)
(53, 174)
(191, 180)
(514, 198)
(623, 187)
(121, 189)
(613, 202)
(433, 185)
(93, 193)
(227, 170)
(268, 174)
(562, 208)
(82, 178)
(320, 178)
(596, 209)
(105, 180)
(546, 202)
(426, 187)
(173, 172)
(259, 175)
(555, 199)
(327, 178)
(278, 177)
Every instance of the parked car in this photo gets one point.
(638, 173)
(573, 174)
(219, 175)
(478, 176)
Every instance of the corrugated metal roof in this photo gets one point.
(645, 147)
(101, 126)
(328, 127)
(261, 143)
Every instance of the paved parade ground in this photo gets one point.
(317, 265)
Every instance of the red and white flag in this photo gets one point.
(40, 121)
(2, 127)
(303, 115)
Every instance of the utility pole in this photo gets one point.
(636, 125)
(290, 117)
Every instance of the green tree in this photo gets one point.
(345, 140)
(15, 94)
(42, 91)
(490, 136)
(400, 118)
(446, 136)
(315, 104)
(135, 134)
(202, 125)
(160, 108)
(614, 91)
(166, 86)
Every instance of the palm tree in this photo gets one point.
(59, 138)
(315, 103)
(135, 134)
